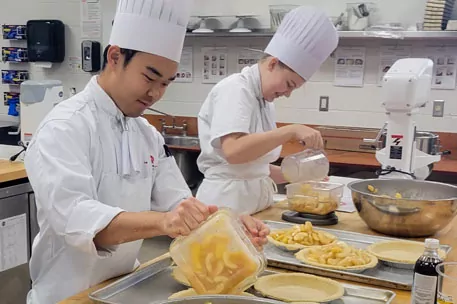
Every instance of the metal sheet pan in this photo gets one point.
(382, 275)
(154, 284)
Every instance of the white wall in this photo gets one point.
(348, 106)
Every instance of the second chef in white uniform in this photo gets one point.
(237, 125)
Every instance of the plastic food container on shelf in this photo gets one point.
(307, 165)
(218, 257)
(319, 198)
(277, 14)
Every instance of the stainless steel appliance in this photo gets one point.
(18, 228)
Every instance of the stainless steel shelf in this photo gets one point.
(396, 35)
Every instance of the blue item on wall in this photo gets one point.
(12, 107)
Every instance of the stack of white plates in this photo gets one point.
(437, 14)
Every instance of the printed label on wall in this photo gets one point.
(91, 19)
(13, 242)
(349, 66)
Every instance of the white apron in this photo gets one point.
(245, 188)
(123, 190)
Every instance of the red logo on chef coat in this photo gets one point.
(152, 159)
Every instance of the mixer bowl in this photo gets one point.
(426, 207)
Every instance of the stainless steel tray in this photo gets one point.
(382, 275)
(154, 284)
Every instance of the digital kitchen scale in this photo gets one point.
(318, 220)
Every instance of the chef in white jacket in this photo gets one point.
(237, 125)
(98, 168)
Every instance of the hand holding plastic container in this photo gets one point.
(218, 257)
(308, 165)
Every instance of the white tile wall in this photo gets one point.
(348, 106)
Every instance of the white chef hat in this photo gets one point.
(304, 40)
(152, 26)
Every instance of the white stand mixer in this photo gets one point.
(406, 88)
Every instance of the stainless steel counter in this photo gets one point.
(153, 248)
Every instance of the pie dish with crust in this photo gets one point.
(338, 256)
(400, 252)
(299, 237)
(299, 287)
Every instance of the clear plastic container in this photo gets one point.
(308, 165)
(314, 197)
(218, 257)
(277, 13)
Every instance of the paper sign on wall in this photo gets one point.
(247, 58)
(349, 66)
(214, 64)
(444, 65)
(13, 242)
(74, 62)
(91, 19)
(186, 68)
(388, 55)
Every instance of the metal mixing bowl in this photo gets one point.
(426, 207)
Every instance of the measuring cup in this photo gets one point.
(308, 165)
(447, 283)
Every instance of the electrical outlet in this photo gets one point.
(438, 108)
(323, 103)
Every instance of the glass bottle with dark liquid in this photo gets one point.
(425, 281)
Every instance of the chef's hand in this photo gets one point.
(186, 217)
(257, 229)
(311, 137)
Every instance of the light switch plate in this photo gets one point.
(323, 103)
(438, 108)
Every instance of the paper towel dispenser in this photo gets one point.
(46, 40)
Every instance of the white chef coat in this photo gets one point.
(86, 164)
(236, 105)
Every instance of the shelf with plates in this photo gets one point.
(418, 35)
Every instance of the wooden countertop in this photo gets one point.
(348, 222)
(11, 170)
(446, 165)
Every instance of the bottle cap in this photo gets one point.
(432, 243)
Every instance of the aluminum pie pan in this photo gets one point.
(226, 299)
(398, 265)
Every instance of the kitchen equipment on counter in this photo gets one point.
(314, 202)
(358, 15)
(406, 89)
(136, 288)
(37, 100)
(404, 208)
(382, 275)
(277, 13)
(307, 165)
(348, 138)
(426, 142)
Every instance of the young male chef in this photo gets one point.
(98, 168)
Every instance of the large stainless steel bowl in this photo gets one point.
(426, 207)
